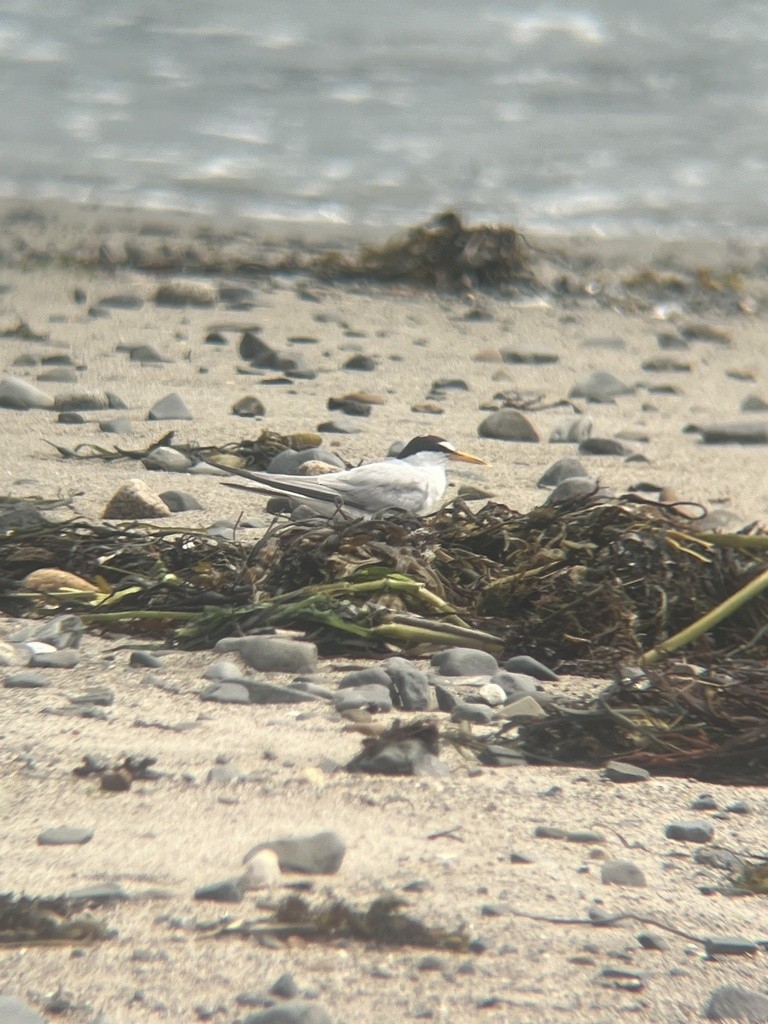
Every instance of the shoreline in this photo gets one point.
(460, 848)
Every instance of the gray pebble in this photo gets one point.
(364, 676)
(230, 890)
(704, 803)
(144, 354)
(549, 832)
(508, 425)
(144, 659)
(16, 393)
(58, 375)
(622, 872)
(25, 681)
(618, 771)
(409, 685)
(690, 831)
(531, 667)
(285, 987)
(525, 707)
(318, 854)
(479, 714)
(223, 671)
(295, 1011)
(122, 425)
(731, 945)
(732, 1002)
(599, 386)
(739, 807)
(464, 661)
(742, 432)
(262, 692)
(171, 407)
(515, 683)
(564, 469)
(274, 654)
(226, 693)
(372, 697)
(290, 462)
(248, 405)
(71, 418)
(167, 460)
(603, 446)
(180, 501)
(574, 487)
(68, 658)
(65, 836)
(754, 403)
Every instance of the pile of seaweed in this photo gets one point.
(710, 724)
(443, 253)
(588, 585)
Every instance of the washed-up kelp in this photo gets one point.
(245, 454)
(382, 922)
(708, 724)
(443, 253)
(29, 920)
(587, 586)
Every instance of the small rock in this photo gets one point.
(25, 681)
(575, 487)
(524, 708)
(603, 446)
(372, 697)
(735, 433)
(409, 685)
(275, 654)
(144, 659)
(290, 462)
(529, 666)
(622, 872)
(223, 672)
(599, 386)
(364, 676)
(185, 293)
(285, 987)
(730, 946)
(318, 854)
(514, 684)
(231, 890)
(563, 469)
(67, 658)
(248, 405)
(464, 661)
(508, 425)
(147, 355)
(171, 407)
(180, 501)
(360, 362)
(295, 1011)
(754, 403)
(478, 714)
(81, 401)
(135, 500)
(549, 832)
(704, 803)
(168, 460)
(226, 693)
(492, 694)
(618, 771)
(65, 836)
(732, 1002)
(16, 393)
(690, 831)
(122, 425)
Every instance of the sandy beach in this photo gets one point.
(460, 849)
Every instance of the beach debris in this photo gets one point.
(410, 748)
(382, 922)
(39, 921)
(442, 253)
(117, 777)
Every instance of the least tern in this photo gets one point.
(414, 481)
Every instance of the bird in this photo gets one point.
(414, 481)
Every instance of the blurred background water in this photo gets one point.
(590, 115)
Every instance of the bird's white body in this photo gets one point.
(415, 483)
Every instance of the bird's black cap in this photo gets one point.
(427, 443)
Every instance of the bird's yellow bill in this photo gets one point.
(466, 457)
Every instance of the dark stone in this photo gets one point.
(231, 890)
(530, 667)
(563, 469)
(365, 676)
(372, 697)
(690, 831)
(730, 946)
(169, 408)
(360, 362)
(464, 661)
(478, 714)
(285, 987)
(410, 686)
(603, 446)
(144, 659)
(248, 405)
(745, 432)
(180, 501)
(65, 836)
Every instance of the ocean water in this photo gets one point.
(597, 115)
